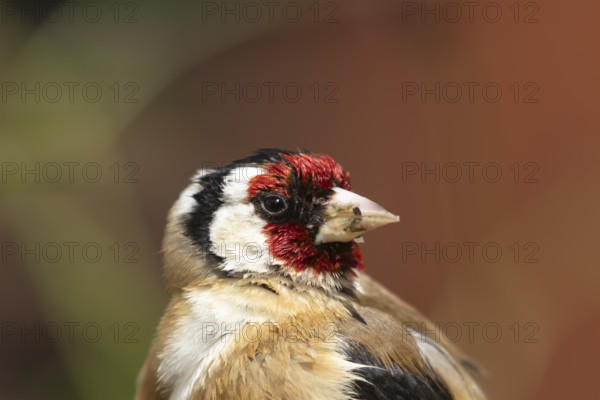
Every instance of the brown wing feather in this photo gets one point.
(396, 333)
(375, 295)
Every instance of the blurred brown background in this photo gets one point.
(476, 122)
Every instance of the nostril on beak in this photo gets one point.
(348, 215)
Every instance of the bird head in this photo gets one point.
(277, 213)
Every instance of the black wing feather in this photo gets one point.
(397, 384)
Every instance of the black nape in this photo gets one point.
(208, 200)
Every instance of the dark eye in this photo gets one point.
(274, 204)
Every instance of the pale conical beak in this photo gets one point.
(348, 216)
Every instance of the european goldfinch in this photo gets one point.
(269, 299)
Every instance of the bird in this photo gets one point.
(269, 298)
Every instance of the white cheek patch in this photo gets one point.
(236, 235)
(236, 232)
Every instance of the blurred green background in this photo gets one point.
(107, 108)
